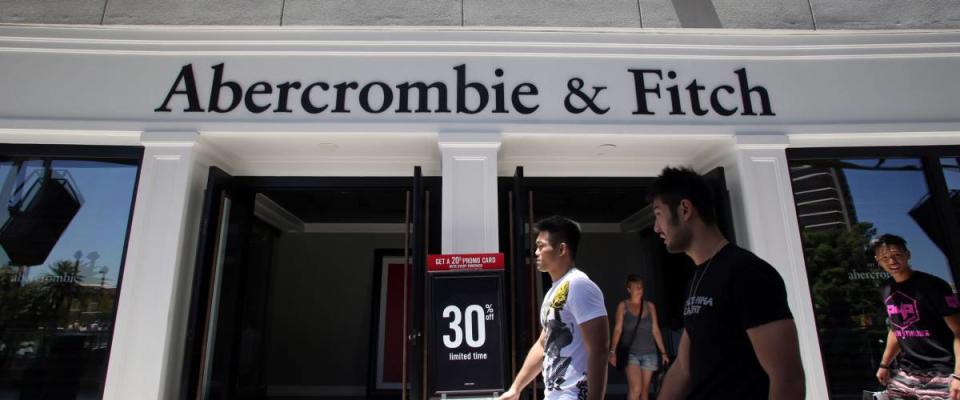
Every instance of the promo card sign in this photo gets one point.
(465, 262)
(466, 332)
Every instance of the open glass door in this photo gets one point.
(676, 269)
(721, 196)
(201, 326)
(617, 240)
(415, 372)
(216, 366)
(522, 278)
(285, 302)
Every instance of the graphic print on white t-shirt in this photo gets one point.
(559, 335)
(571, 301)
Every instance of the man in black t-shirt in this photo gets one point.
(739, 339)
(923, 314)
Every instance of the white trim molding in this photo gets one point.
(469, 209)
(766, 207)
(148, 339)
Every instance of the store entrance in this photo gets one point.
(307, 288)
(617, 240)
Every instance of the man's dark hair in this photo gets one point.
(887, 239)
(675, 184)
(561, 230)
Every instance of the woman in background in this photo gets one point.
(641, 337)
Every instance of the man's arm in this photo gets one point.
(595, 337)
(778, 351)
(676, 384)
(889, 352)
(953, 321)
(531, 367)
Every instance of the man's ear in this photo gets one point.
(685, 210)
(563, 249)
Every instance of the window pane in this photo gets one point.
(62, 237)
(951, 172)
(841, 205)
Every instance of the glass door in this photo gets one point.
(415, 372)
(522, 278)
(721, 197)
(843, 201)
(226, 339)
(285, 302)
(607, 252)
(617, 240)
(207, 285)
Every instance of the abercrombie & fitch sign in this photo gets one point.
(462, 93)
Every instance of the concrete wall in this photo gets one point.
(725, 14)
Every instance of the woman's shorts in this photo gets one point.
(649, 361)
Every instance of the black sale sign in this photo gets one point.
(466, 332)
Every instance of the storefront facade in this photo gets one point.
(468, 107)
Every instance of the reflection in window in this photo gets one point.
(951, 172)
(841, 205)
(63, 227)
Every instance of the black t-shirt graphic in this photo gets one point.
(732, 292)
(915, 311)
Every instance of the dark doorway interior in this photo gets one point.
(617, 240)
(304, 289)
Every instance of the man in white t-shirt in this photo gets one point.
(572, 348)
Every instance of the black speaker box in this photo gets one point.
(38, 220)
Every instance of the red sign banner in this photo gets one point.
(464, 262)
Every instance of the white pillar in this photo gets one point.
(144, 359)
(769, 217)
(469, 208)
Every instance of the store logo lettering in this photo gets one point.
(470, 96)
(697, 107)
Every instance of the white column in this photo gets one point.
(469, 169)
(762, 185)
(144, 359)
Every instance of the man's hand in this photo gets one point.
(666, 359)
(883, 375)
(530, 369)
(612, 359)
(510, 395)
(890, 350)
(954, 389)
